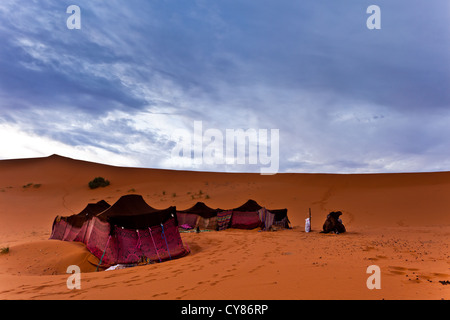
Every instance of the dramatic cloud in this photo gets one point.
(344, 98)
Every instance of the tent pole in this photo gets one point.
(85, 231)
(138, 244)
(154, 244)
(104, 251)
(65, 228)
(165, 239)
(310, 219)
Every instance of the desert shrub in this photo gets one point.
(4, 250)
(34, 185)
(98, 182)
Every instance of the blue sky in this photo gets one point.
(344, 98)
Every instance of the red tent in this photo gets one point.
(251, 215)
(246, 216)
(199, 215)
(74, 227)
(131, 231)
(128, 232)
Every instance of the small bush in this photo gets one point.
(34, 185)
(98, 182)
(4, 250)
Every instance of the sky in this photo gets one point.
(344, 98)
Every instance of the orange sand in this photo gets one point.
(400, 222)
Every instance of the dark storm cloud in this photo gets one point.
(345, 98)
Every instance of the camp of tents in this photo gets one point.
(130, 231)
(250, 215)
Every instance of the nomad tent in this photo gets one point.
(251, 215)
(199, 215)
(246, 216)
(74, 227)
(130, 231)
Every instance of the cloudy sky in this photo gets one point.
(344, 98)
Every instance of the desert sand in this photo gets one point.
(399, 222)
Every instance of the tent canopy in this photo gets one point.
(249, 206)
(280, 214)
(247, 217)
(129, 231)
(74, 227)
(91, 210)
(252, 206)
(127, 205)
(202, 210)
(199, 216)
(132, 212)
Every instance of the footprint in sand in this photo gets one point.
(377, 257)
(255, 269)
(412, 274)
(217, 261)
(160, 294)
(397, 270)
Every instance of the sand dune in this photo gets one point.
(400, 222)
(44, 257)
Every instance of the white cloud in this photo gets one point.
(18, 143)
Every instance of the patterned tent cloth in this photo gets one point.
(199, 215)
(129, 231)
(74, 227)
(224, 219)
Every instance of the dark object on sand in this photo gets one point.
(333, 223)
(98, 182)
